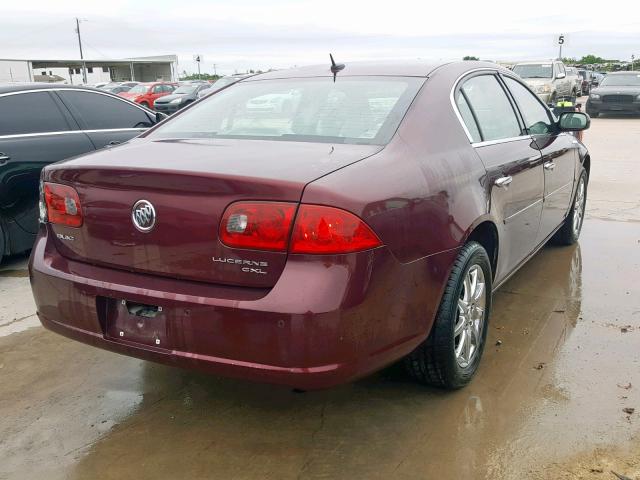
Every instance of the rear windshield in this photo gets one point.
(358, 110)
(541, 70)
(624, 80)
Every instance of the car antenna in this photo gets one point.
(335, 67)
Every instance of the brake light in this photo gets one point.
(317, 229)
(327, 230)
(257, 225)
(63, 205)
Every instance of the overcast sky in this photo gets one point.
(241, 34)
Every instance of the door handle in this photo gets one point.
(549, 165)
(113, 142)
(4, 159)
(503, 181)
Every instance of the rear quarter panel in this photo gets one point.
(425, 191)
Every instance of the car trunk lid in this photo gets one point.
(189, 183)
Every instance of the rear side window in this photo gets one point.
(467, 117)
(536, 116)
(98, 112)
(30, 113)
(493, 110)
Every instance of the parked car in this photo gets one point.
(619, 92)
(547, 79)
(115, 89)
(587, 81)
(146, 93)
(41, 124)
(371, 224)
(223, 83)
(597, 79)
(576, 79)
(181, 97)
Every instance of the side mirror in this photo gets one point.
(160, 117)
(561, 75)
(574, 121)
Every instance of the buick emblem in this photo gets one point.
(143, 215)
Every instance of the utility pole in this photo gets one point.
(84, 67)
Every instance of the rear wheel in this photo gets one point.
(570, 231)
(450, 356)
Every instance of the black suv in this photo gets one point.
(44, 123)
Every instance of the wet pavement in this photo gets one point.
(562, 362)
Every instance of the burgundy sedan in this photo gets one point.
(367, 222)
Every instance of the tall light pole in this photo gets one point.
(84, 67)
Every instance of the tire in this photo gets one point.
(593, 114)
(553, 99)
(572, 226)
(435, 362)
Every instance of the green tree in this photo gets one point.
(591, 59)
(469, 57)
(202, 76)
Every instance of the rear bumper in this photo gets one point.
(325, 322)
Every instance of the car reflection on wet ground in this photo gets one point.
(562, 362)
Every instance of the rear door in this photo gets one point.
(35, 130)
(106, 119)
(559, 156)
(513, 163)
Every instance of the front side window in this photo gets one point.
(492, 108)
(30, 113)
(98, 112)
(360, 110)
(536, 116)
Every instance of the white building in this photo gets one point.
(142, 69)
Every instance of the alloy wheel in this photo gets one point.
(578, 208)
(469, 323)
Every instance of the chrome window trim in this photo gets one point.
(459, 115)
(501, 140)
(453, 100)
(67, 132)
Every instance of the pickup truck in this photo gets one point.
(548, 79)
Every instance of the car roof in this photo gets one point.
(407, 68)
(626, 72)
(20, 87)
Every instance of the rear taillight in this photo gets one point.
(257, 225)
(62, 205)
(327, 230)
(317, 229)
